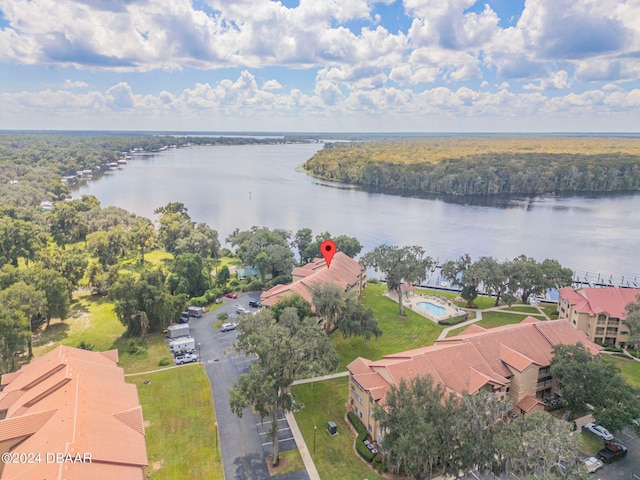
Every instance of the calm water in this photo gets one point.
(242, 186)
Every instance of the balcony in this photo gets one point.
(544, 385)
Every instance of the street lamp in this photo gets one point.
(314, 439)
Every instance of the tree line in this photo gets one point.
(489, 168)
(32, 164)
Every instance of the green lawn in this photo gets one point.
(398, 333)
(630, 369)
(335, 456)
(92, 321)
(493, 319)
(180, 430)
(523, 308)
(551, 309)
(589, 444)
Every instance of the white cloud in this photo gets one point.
(75, 84)
(272, 85)
(555, 81)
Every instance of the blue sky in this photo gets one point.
(321, 65)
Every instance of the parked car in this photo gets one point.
(255, 304)
(240, 310)
(231, 295)
(227, 327)
(592, 464)
(184, 318)
(599, 431)
(186, 358)
(612, 451)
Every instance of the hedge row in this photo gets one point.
(362, 435)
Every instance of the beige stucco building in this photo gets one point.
(598, 312)
(512, 361)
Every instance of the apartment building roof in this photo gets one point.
(473, 359)
(344, 272)
(593, 301)
(73, 403)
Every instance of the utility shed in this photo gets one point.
(175, 331)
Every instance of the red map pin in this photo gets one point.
(328, 250)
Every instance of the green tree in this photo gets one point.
(633, 323)
(29, 302)
(71, 263)
(18, 239)
(285, 350)
(296, 301)
(541, 444)
(14, 336)
(400, 265)
(593, 380)
(175, 225)
(147, 294)
(303, 238)
(350, 246)
(202, 240)
(263, 262)
(141, 234)
(417, 420)
(56, 288)
(107, 246)
(475, 424)
(329, 303)
(188, 276)
(533, 277)
(223, 276)
(66, 224)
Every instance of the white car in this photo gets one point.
(599, 431)
(186, 358)
(240, 310)
(227, 327)
(592, 464)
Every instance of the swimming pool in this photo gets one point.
(436, 310)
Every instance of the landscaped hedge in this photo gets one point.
(454, 320)
(362, 435)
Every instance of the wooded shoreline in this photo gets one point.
(484, 166)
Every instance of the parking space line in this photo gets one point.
(269, 433)
(279, 441)
(269, 421)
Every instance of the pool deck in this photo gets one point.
(451, 310)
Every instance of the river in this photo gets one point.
(232, 187)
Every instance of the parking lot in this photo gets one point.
(624, 468)
(244, 442)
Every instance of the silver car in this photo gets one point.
(227, 326)
(599, 431)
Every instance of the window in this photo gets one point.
(3, 414)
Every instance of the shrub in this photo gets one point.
(85, 346)
(223, 316)
(609, 348)
(254, 286)
(279, 280)
(164, 362)
(373, 281)
(135, 347)
(362, 435)
(234, 283)
(199, 301)
(453, 320)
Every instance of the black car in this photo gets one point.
(612, 451)
(255, 304)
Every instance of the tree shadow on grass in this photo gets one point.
(54, 333)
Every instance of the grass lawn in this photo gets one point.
(551, 309)
(290, 461)
(523, 308)
(179, 416)
(398, 333)
(630, 369)
(493, 319)
(92, 321)
(589, 444)
(335, 457)
(481, 301)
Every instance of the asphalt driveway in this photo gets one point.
(243, 442)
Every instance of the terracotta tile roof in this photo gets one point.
(593, 301)
(467, 362)
(73, 401)
(526, 404)
(344, 272)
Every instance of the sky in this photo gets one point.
(321, 65)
